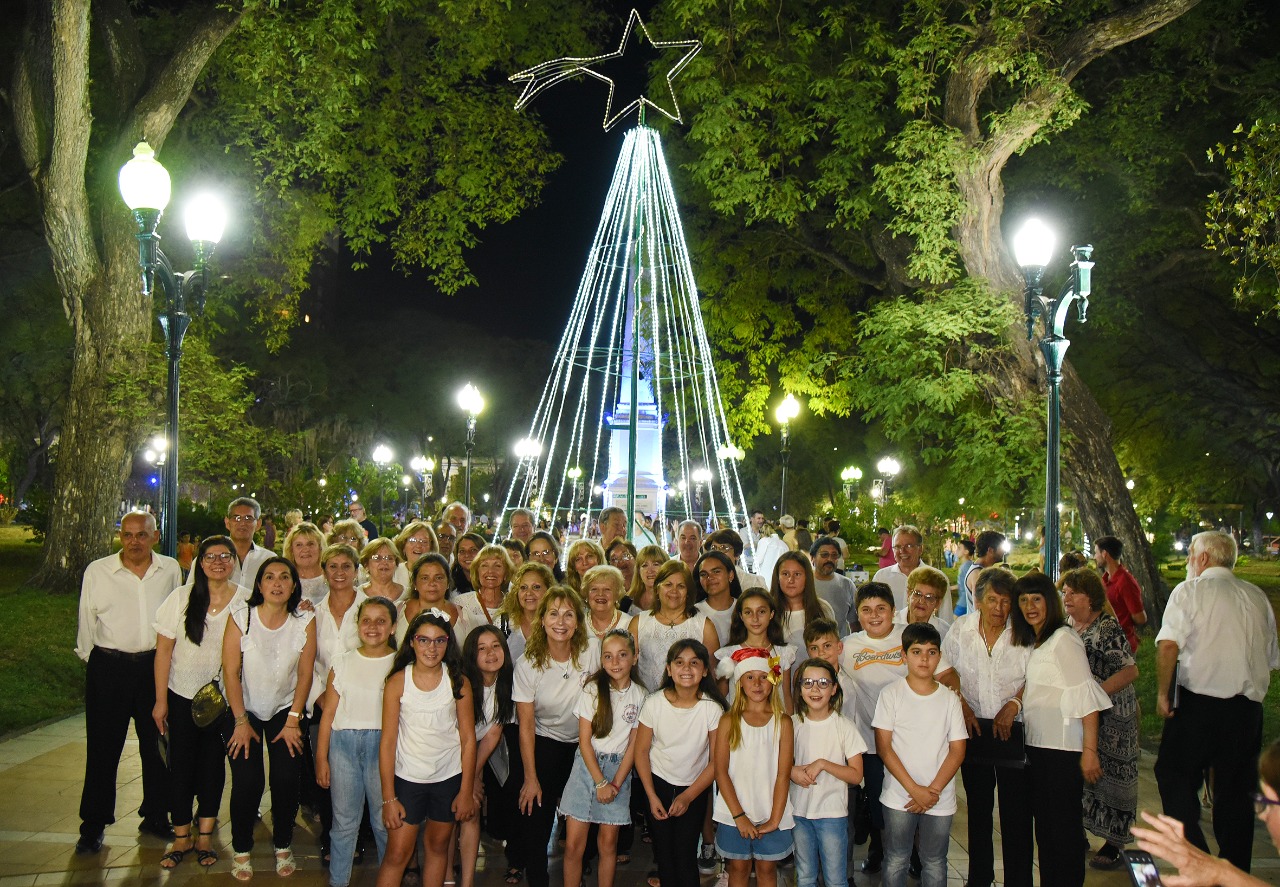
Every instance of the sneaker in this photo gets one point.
(723, 880)
(707, 859)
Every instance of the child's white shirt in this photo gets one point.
(923, 729)
(626, 715)
(832, 739)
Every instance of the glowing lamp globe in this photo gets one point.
(470, 400)
(206, 218)
(1033, 244)
(144, 182)
(788, 409)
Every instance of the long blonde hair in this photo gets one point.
(739, 706)
(537, 650)
(643, 556)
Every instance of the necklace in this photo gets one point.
(990, 644)
(617, 615)
(675, 620)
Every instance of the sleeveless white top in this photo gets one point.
(428, 747)
(360, 681)
(753, 768)
(270, 671)
(654, 640)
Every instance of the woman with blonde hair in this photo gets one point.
(601, 591)
(415, 540)
(380, 559)
(640, 595)
(302, 545)
(518, 614)
(583, 555)
(490, 574)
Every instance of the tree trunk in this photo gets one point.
(91, 243)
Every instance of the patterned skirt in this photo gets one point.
(1111, 803)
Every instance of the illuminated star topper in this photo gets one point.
(548, 74)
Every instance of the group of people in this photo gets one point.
(427, 683)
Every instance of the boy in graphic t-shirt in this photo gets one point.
(920, 739)
(873, 657)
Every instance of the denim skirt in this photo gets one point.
(579, 799)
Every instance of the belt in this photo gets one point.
(121, 654)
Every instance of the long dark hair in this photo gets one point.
(1023, 634)
(386, 603)
(809, 597)
(707, 687)
(256, 598)
(602, 720)
(198, 602)
(738, 628)
(505, 708)
(735, 585)
(452, 660)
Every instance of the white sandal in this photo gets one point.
(285, 864)
(241, 866)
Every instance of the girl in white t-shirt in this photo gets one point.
(427, 758)
(677, 731)
(828, 759)
(486, 661)
(350, 732)
(753, 757)
(599, 787)
(756, 624)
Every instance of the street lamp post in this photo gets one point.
(382, 456)
(850, 477)
(888, 468)
(786, 411)
(472, 403)
(574, 474)
(424, 466)
(1033, 247)
(145, 187)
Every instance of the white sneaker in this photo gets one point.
(707, 859)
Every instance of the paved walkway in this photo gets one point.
(40, 780)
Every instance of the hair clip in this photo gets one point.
(439, 614)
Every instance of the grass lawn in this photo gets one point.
(40, 675)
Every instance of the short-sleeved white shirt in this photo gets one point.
(194, 665)
(554, 693)
(923, 729)
(681, 747)
(833, 739)
(332, 639)
(1060, 691)
(875, 664)
(626, 716)
(359, 681)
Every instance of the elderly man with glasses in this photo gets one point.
(908, 544)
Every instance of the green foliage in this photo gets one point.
(1243, 219)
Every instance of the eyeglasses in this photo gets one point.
(907, 547)
(241, 518)
(723, 548)
(621, 559)
(345, 538)
(446, 537)
(421, 640)
(1261, 802)
(820, 683)
(418, 540)
(215, 558)
(927, 598)
(381, 558)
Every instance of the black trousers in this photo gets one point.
(502, 813)
(980, 784)
(119, 687)
(675, 839)
(1225, 734)
(554, 762)
(247, 781)
(1057, 805)
(197, 764)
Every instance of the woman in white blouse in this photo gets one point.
(674, 617)
(303, 545)
(1060, 706)
(992, 670)
(490, 572)
(268, 651)
(189, 627)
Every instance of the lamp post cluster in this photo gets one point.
(786, 411)
(146, 189)
(1033, 247)
(472, 403)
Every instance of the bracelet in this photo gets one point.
(295, 714)
(242, 719)
(616, 787)
(602, 783)
(389, 801)
(740, 815)
(1018, 702)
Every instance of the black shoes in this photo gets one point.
(871, 865)
(157, 828)
(89, 844)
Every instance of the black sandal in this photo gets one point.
(206, 858)
(176, 856)
(1107, 857)
(513, 875)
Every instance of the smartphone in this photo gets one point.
(1141, 867)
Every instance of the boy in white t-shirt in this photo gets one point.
(873, 657)
(920, 738)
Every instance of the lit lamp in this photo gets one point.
(574, 474)
(472, 403)
(850, 478)
(424, 466)
(786, 411)
(145, 187)
(382, 456)
(1033, 248)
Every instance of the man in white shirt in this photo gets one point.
(119, 597)
(908, 544)
(836, 590)
(244, 516)
(1220, 632)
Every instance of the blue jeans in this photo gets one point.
(900, 829)
(353, 779)
(820, 844)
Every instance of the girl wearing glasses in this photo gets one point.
(427, 757)
(189, 627)
(828, 759)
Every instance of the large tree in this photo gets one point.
(858, 154)
(338, 145)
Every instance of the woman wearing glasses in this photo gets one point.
(1196, 868)
(189, 627)
(544, 550)
(414, 541)
(621, 554)
(381, 561)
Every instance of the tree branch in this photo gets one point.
(125, 58)
(1098, 38)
